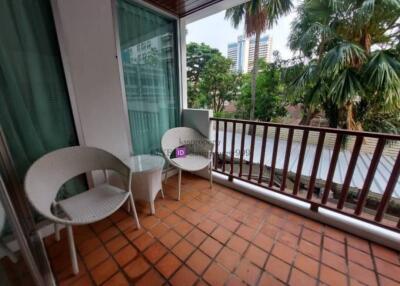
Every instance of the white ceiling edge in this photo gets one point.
(211, 10)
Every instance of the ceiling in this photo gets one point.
(182, 8)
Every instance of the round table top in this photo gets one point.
(143, 163)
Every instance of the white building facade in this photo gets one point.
(242, 52)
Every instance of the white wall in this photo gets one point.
(212, 9)
(88, 46)
(198, 119)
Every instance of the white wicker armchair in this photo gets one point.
(45, 177)
(198, 157)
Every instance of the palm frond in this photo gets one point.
(313, 95)
(308, 75)
(337, 5)
(364, 13)
(315, 35)
(343, 56)
(383, 74)
(393, 4)
(275, 9)
(346, 87)
(236, 14)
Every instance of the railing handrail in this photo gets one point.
(312, 128)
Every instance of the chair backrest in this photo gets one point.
(45, 177)
(179, 136)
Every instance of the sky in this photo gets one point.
(217, 32)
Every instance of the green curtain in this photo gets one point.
(35, 112)
(150, 65)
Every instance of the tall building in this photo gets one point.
(242, 52)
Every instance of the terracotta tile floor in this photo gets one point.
(219, 237)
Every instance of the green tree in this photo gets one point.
(197, 57)
(352, 63)
(218, 84)
(258, 15)
(270, 100)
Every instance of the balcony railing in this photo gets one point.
(349, 172)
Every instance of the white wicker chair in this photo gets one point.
(45, 177)
(199, 154)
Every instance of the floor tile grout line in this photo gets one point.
(321, 250)
(140, 252)
(120, 268)
(346, 255)
(213, 259)
(292, 265)
(275, 241)
(169, 250)
(378, 280)
(225, 244)
(269, 252)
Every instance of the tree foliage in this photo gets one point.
(197, 57)
(211, 83)
(270, 102)
(219, 84)
(257, 15)
(353, 63)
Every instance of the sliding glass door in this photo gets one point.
(35, 118)
(148, 43)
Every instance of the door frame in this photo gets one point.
(40, 270)
(178, 43)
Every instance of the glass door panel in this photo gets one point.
(150, 65)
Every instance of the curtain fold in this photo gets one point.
(150, 65)
(35, 112)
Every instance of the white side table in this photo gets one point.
(146, 177)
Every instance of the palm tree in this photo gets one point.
(344, 72)
(258, 16)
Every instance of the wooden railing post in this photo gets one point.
(274, 154)
(287, 157)
(253, 138)
(350, 171)
(233, 147)
(224, 147)
(242, 149)
(263, 145)
(394, 176)
(216, 144)
(303, 147)
(317, 159)
(370, 175)
(332, 168)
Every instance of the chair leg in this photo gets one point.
(162, 191)
(134, 211)
(166, 174)
(128, 206)
(152, 208)
(57, 231)
(179, 184)
(72, 250)
(211, 177)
